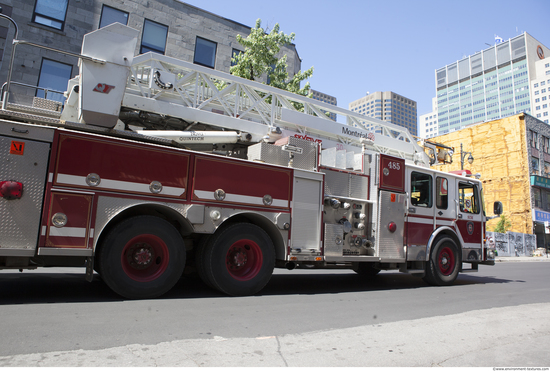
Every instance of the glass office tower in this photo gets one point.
(488, 85)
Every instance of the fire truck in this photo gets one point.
(154, 166)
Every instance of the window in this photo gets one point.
(111, 15)
(205, 52)
(468, 198)
(546, 198)
(421, 189)
(50, 13)
(534, 139)
(546, 144)
(534, 165)
(53, 75)
(536, 196)
(153, 38)
(441, 197)
(234, 54)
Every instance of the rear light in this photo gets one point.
(11, 190)
(392, 227)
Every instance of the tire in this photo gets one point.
(142, 257)
(201, 262)
(444, 264)
(238, 260)
(97, 268)
(365, 269)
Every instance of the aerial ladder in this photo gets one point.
(160, 96)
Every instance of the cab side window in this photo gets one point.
(441, 193)
(421, 189)
(468, 198)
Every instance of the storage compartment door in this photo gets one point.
(305, 233)
(23, 161)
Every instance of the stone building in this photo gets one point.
(168, 27)
(512, 156)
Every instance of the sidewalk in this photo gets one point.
(512, 259)
(480, 338)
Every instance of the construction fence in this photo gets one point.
(512, 243)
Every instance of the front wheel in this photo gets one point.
(142, 257)
(444, 264)
(238, 260)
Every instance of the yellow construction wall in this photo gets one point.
(500, 155)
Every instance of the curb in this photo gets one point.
(522, 259)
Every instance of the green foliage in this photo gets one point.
(259, 58)
(503, 225)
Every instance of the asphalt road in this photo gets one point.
(496, 317)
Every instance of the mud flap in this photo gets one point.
(90, 269)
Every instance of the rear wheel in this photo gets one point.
(142, 257)
(444, 263)
(201, 262)
(238, 260)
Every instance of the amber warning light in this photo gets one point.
(11, 190)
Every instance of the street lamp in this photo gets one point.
(463, 155)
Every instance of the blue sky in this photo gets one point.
(360, 46)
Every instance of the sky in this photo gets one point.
(360, 46)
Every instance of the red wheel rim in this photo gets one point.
(446, 260)
(145, 258)
(244, 260)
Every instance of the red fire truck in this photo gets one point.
(154, 165)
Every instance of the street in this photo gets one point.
(496, 317)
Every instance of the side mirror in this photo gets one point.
(497, 208)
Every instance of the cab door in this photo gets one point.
(420, 212)
(469, 218)
(445, 207)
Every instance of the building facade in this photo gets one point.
(329, 99)
(168, 27)
(488, 85)
(540, 86)
(427, 123)
(388, 106)
(512, 156)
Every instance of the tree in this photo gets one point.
(259, 58)
(503, 225)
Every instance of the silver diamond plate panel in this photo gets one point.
(47, 104)
(109, 207)
(20, 218)
(359, 187)
(390, 245)
(334, 233)
(275, 155)
(39, 112)
(336, 183)
(268, 153)
(307, 160)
